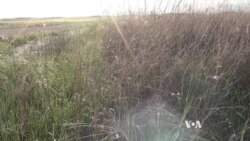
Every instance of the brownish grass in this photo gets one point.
(197, 63)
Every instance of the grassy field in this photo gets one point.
(126, 78)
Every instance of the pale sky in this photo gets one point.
(72, 8)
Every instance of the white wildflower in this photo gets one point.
(117, 136)
(216, 77)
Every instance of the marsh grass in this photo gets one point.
(60, 85)
(196, 63)
(133, 77)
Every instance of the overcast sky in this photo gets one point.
(69, 8)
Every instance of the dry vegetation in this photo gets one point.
(198, 64)
(129, 78)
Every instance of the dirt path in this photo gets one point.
(32, 47)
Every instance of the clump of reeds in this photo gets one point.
(197, 63)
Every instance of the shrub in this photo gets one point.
(19, 41)
(32, 38)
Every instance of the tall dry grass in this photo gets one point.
(198, 64)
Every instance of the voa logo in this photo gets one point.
(193, 124)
